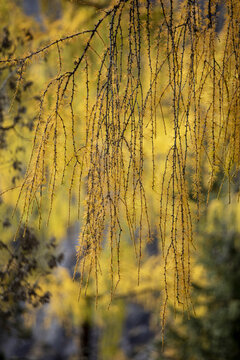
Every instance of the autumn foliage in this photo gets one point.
(137, 131)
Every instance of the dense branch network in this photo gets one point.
(166, 73)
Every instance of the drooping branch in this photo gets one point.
(167, 73)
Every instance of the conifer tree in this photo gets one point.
(213, 332)
(100, 127)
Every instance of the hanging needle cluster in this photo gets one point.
(146, 70)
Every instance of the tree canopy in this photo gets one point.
(138, 121)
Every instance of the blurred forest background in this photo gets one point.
(40, 314)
